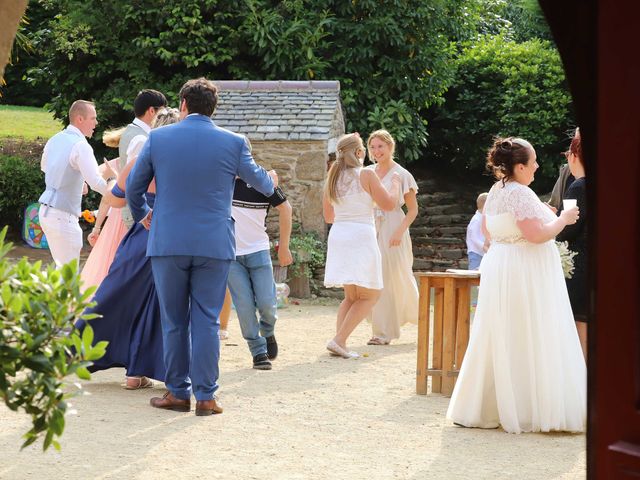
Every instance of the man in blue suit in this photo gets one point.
(191, 238)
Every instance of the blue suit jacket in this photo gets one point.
(195, 164)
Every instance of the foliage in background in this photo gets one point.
(21, 183)
(391, 57)
(503, 87)
(308, 253)
(19, 87)
(395, 59)
(39, 345)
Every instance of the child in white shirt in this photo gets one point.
(475, 237)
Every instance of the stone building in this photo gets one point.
(293, 127)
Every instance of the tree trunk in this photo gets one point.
(11, 11)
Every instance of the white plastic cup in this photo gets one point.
(569, 203)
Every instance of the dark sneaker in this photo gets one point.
(272, 347)
(261, 362)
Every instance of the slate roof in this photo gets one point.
(280, 110)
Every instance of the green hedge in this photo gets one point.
(503, 88)
(21, 183)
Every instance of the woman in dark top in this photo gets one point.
(576, 237)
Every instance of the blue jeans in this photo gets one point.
(474, 260)
(252, 288)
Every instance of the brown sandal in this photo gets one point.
(377, 341)
(140, 382)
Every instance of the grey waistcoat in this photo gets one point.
(130, 132)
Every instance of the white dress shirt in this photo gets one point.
(81, 159)
(136, 143)
(475, 237)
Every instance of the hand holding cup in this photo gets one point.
(570, 216)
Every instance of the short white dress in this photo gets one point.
(353, 256)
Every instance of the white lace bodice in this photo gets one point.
(354, 205)
(509, 204)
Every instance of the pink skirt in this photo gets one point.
(101, 256)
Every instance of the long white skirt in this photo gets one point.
(353, 257)
(524, 368)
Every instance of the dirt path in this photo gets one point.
(311, 417)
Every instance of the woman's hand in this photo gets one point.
(396, 238)
(93, 237)
(570, 216)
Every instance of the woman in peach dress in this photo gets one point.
(107, 232)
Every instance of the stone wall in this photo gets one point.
(301, 167)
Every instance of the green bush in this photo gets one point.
(503, 88)
(39, 344)
(21, 183)
(308, 253)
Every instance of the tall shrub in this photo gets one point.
(503, 88)
(39, 345)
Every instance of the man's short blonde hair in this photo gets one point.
(79, 107)
(480, 201)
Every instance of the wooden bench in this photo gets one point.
(450, 327)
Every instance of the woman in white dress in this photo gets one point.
(398, 302)
(353, 257)
(524, 368)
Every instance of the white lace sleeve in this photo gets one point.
(524, 204)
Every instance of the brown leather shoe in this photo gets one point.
(207, 407)
(169, 402)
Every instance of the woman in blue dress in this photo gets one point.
(127, 300)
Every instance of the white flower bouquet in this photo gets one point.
(566, 258)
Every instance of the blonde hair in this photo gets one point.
(385, 137)
(166, 117)
(346, 158)
(111, 138)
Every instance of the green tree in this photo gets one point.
(391, 57)
(39, 344)
(503, 88)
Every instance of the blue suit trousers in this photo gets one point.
(191, 292)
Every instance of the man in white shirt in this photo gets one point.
(146, 106)
(251, 274)
(68, 162)
(475, 237)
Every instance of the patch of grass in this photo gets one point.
(29, 123)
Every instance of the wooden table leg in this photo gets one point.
(436, 358)
(423, 336)
(448, 335)
(462, 323)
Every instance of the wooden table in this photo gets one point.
(450, 327)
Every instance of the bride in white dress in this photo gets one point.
(353, 256)
(523, 369)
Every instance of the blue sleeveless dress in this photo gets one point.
(128, 303)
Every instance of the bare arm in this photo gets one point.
(117, 202)
(103, 209)
(327, 209)
(386, 200)
(411, 201)
(537, 232)
(284, 254)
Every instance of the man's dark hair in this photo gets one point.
(146, 99)
(201, 96)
